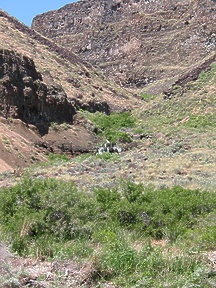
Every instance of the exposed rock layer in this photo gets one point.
(24, 95)
(135, 41)
(79, 78)
(189, 76)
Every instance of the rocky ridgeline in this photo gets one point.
(24, 95)
(82, 15)
(137, 42)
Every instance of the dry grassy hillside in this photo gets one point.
(82, 82)
(85, 88)
(144, 217)
(135, 42)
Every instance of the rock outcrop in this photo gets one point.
(187, 77)
(79, 79)
(137, 42)
(24, 95)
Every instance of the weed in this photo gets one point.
(82, 157)
(138, 131)
(51, 218)
(5, 140)
(66, 126)
(199, 121)
(106, 156)
(111, 126)
(54, 126)
(147, 97)
(57, 157)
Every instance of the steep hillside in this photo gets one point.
(83, 83)
(173, 142)
(43, 85)
(135, 42)
(85, 218)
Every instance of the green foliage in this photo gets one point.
(48, 217)
(106, 156)
(119, 258)
(201, 121)
(138, 131)
(57, 157)
(110, 125)
(107, 197)
(82, 157)
(35, 209)
(146, 96)
(132, 191)
(206, 76)
(54, 126)
(65, 126)
(114, 136)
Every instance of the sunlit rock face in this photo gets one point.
(136, 42)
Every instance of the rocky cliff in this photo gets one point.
(31, 114)
(24, 95)
(134, 41)
(83, 84)
(42, 82)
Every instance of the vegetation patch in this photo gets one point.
(113, 229)
(112, 126)
(148, 97)
(201, 121)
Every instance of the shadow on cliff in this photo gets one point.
(24, 95)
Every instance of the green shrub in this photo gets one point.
(106, 156)
(110, 125)
(57, 157)
(48, 217)
(161, 213)
(147, 96)
(107, 197)
(55, 126)
(201, 121)
(119, 258)
(206, 76)
(131, 190)
(36, 208)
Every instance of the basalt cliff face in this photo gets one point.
(83, 83)
(43, 86)
(136, 42)
(25, 96)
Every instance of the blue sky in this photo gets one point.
(25, 10)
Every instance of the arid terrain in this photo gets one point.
(93, 75)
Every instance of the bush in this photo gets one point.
(48, 217)
(57, 157)
(110, 125)
(36, 208)
(201, 121)
(165, 213)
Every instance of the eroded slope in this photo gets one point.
(81, 82)
(135, 42)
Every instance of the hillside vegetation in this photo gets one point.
(144, 217)
(132, 235)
